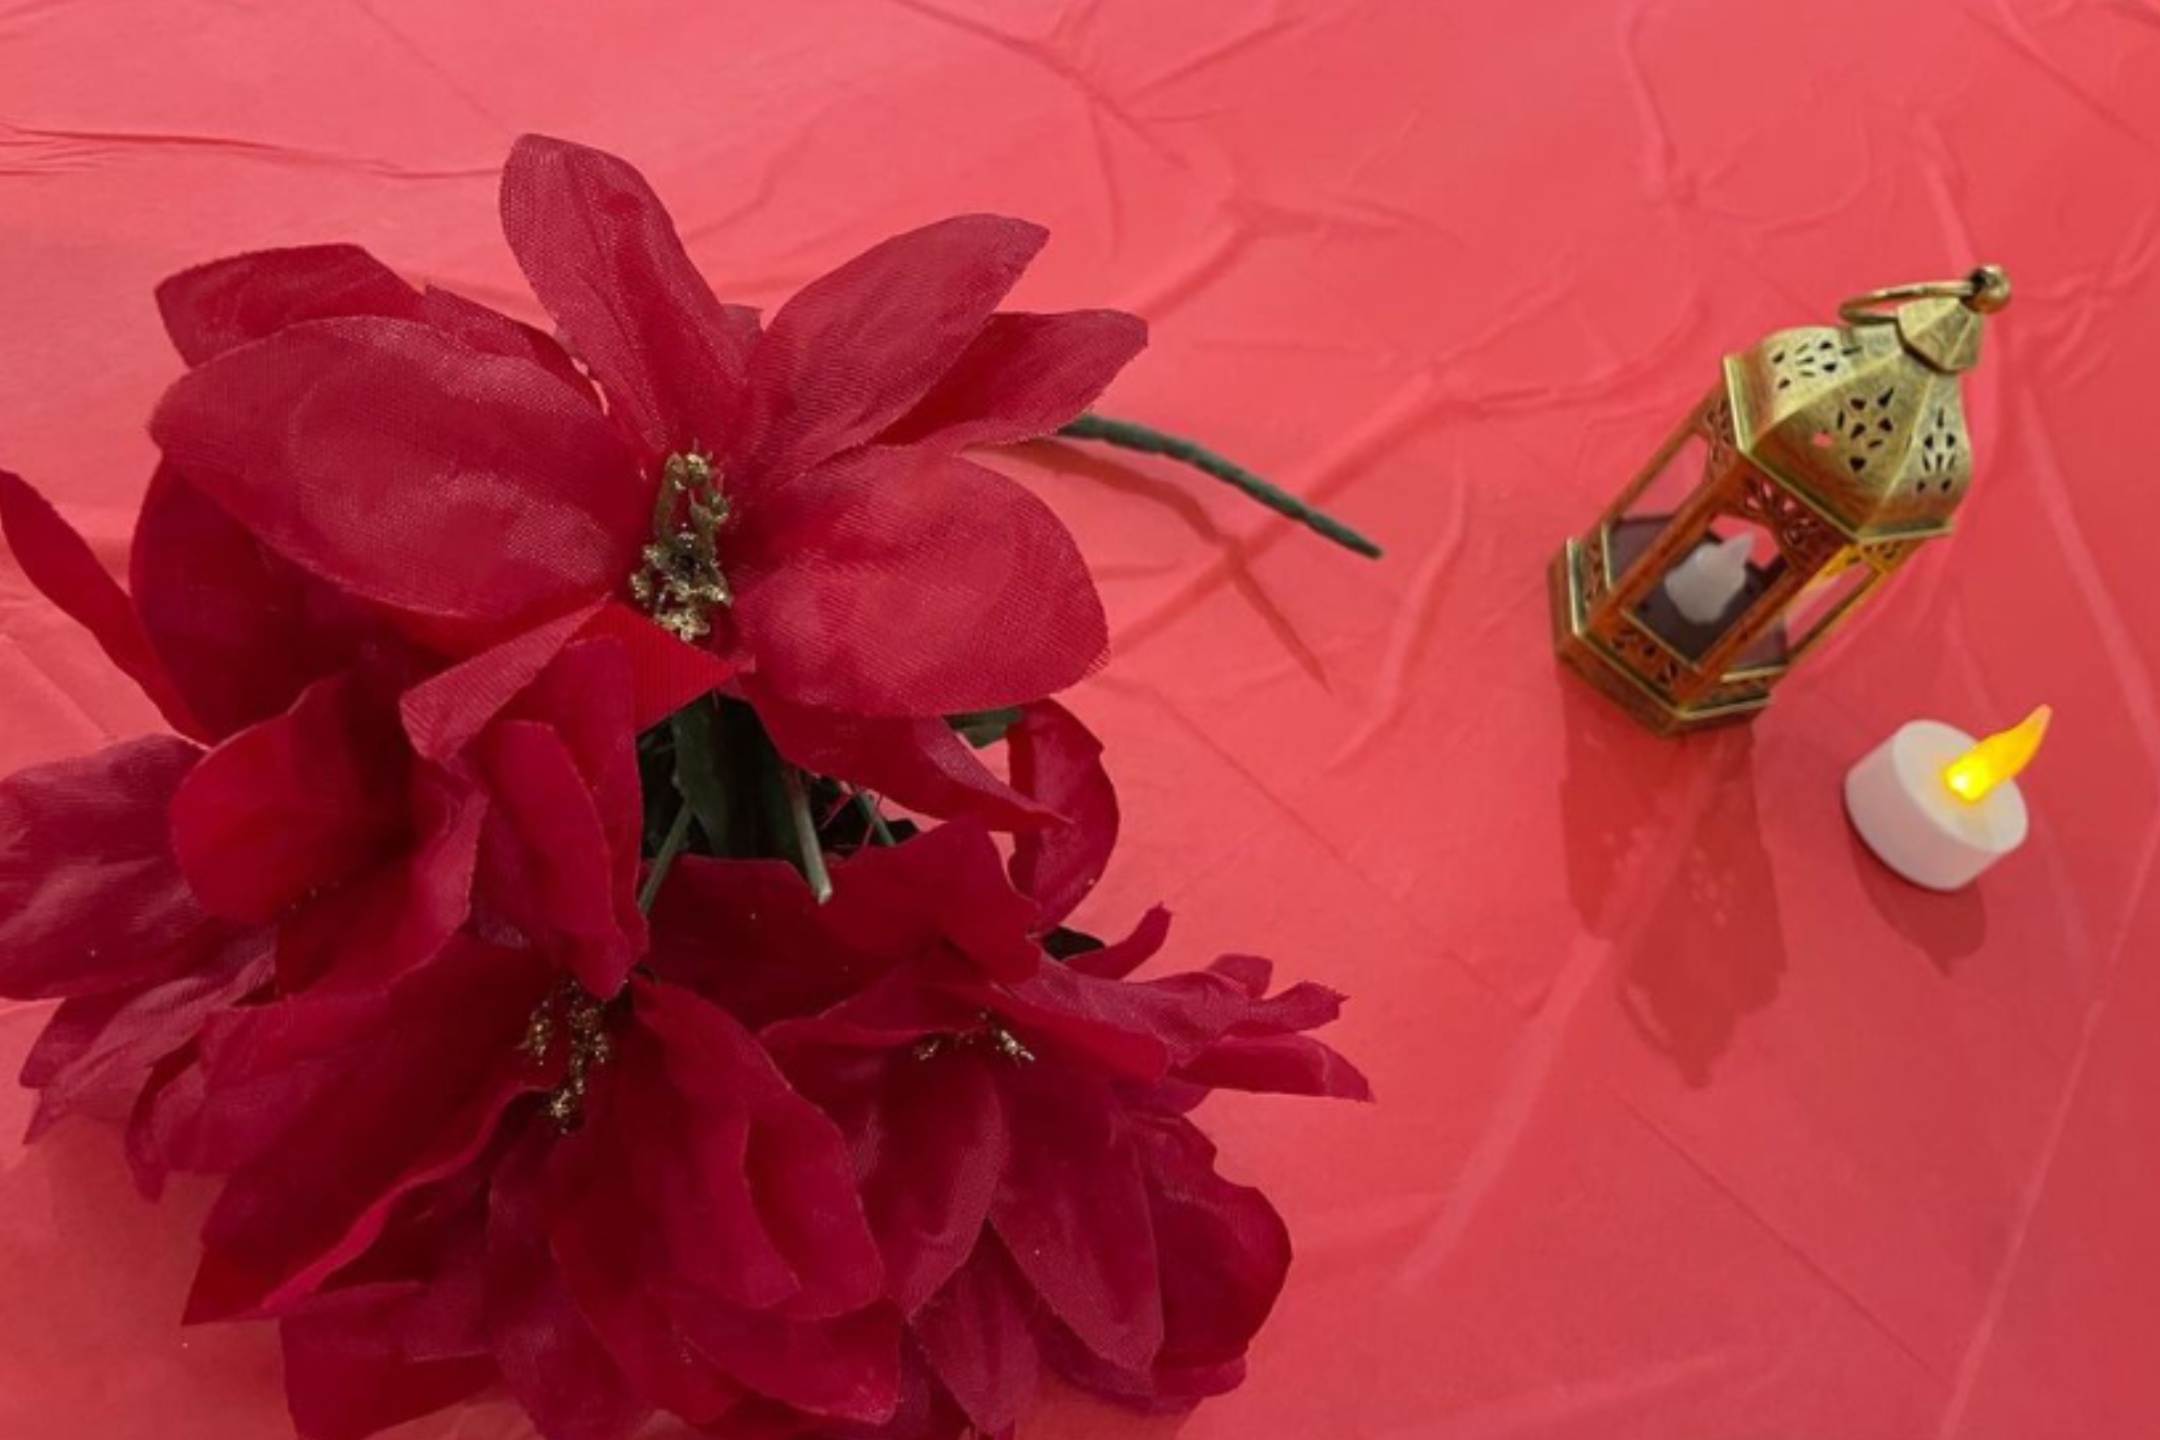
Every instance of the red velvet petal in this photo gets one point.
(415, 1099)
(854, 351)
(97, 1052)
(376, 453)
(1023, 377)
(1057, 761)
(548, 1354)
(976, 1336)
(545, 858)
(242, 630)
(60, 563)
(444, 712)
(91, 899)
(295, 804)
(907, 583)
(919, 764)
(601, 253)
(227, 303)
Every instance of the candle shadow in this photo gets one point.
(1666, 858)
(1947, 928)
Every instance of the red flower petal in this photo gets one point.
(904, 582)
(929, 1143)
(1277, 1065)
(227, 303)
(946, 884)
(665, 674)
(366, 933)
(444, 712)
(97, 1052)
(546, 861)
(976, 1336)
(549, 1356)
(601, 253)
(694, 1136)
(920, 764)
(295, 804)
(1073, 1213)
(405, 1093)
(1022, 377)
(376, 453)
(854, 351)
(1121, 958)
(713, 913)
(498, 334)
(59, 562)
(242, 630)
(349, 1370)
(1058, 762)
(91, 899)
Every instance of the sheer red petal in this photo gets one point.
(407, 1100)
(916, 763)
(713, 913)
(854, 351)
(242, 630)
(91, 899)
(97, 1052)
(904, 582)
(695, 1134)
(977, 1337)
(1121, 958)
(350, 1366)
(443, 713)
(599, 250)
(227, 303)
(551, 863)
(548, 1354)
(376, 453)
(61, 564)
(1022, 377)
(1073, 1213)
(295, 804)
(1057, 762)
(665, 673)
(946, 884)
(493, 331)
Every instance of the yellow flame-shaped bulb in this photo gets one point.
(1999, 759)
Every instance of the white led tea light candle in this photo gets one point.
(1939, 807)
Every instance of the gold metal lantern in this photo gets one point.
(1808, 477)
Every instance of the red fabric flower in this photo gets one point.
(1018, 1125)
(880, 582)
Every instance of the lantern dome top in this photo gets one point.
(1866, 420)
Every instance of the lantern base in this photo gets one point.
(1581, 652)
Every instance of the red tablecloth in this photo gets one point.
(1694, 1123)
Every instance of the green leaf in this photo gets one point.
(984, 728)
(697, 772)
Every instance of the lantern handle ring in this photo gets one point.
(1984, 291)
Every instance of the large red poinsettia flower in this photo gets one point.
(789, 496)
(1018, 1124)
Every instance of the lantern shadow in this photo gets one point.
(1947, 928)
(1665, 857)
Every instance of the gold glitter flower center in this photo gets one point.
(989, 1035)
(680, 583)
(569, 1022)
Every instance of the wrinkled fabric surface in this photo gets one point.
(1692, 1121)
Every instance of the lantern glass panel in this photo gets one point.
(1825, 599)
(1661, 612)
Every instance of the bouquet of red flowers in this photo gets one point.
(569, 914)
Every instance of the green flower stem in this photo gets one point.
(1127, 435)
(868, 804)
(806, 837)
(664, 859)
